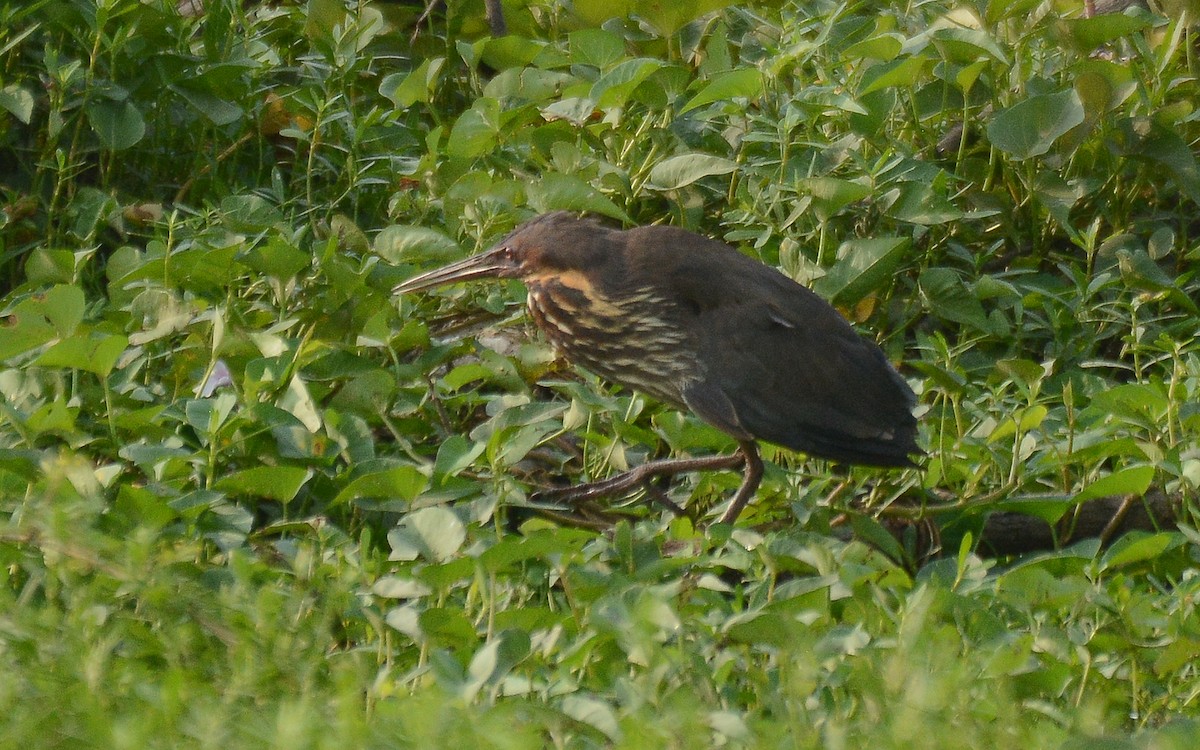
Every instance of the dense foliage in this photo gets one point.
(248, 498)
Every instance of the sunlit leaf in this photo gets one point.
(494, 660)
(434, 533)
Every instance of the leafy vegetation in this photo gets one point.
(248, 498)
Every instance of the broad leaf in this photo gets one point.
(279, 483)
(680, 171)
(1030, 127)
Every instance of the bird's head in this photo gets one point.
(548, 243)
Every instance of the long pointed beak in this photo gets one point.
(490, 264)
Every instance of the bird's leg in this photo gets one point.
(746, 457)
(752, 473)
(639, 475)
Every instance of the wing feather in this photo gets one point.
(778, 363)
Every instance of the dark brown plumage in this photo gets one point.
(693, 322)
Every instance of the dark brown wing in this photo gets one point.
(778, 363)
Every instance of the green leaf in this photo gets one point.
(37, 320)
(1138, 547)
(250, 213)
(456, 454)
(404, 482)
(830, 194)
(593, 713)
(883, 47)
(118, 125)
(556, 191)
(537, 544)
(1030, 127)
(404, 90)
(1145, 138)
(529, 84)
(404, 243)
(207, 415)
(47, 265)
(948, 297)
(761, 629)
(998, 10)
(1132, 480)
(494, 660)
(475, 131)
(150, 509)
(665, 17)
(919, 203)
(1140, 271)
(1102, 28)
(863, 266)
(63, 307)
(510, 51)
(741, 83)
(434, 533)
(1161, 243)
(92, 352)
(1176, 655)
(596, 47)
(204, 269)
(321, 16)
(278, 258)
(902, 73)
(216, 110)
(615, 87)
(965, 45)
(17, 101)
(297, 400)
(678, 171)
(576, 110)
(280, 483)
(399, 587)
(871, 531)
(452, 627)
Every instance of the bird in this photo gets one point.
(698, 325)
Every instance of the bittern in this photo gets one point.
(698, 325)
